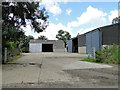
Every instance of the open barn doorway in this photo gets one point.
(75, 45)
(47, 47)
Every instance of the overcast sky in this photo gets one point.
(76, 17)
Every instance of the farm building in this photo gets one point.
(46, 46)
(100, 37)
(77, 44)
(73, 45)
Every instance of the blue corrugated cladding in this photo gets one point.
(70, 46)
(92, 41)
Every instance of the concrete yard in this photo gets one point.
(58, 70)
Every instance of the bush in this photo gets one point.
(109, 54)
(25, 49)
(9, 45)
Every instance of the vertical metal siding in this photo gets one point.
(35, 47)
(40, 47)
(92, 41)
(110, 34)
(81, 40)
(88, 43)
(95, 39)
(70, 46)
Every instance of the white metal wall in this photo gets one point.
(35, 47)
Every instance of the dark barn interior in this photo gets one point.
(47, 47)
(75, 45)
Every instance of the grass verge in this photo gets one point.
(10, 59)
(88, 59)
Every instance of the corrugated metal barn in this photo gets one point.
(46, 46)
(77, 44)
(100, 37)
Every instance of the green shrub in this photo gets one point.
(10, 45)
(109, 54)
(99, 57)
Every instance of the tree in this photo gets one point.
(16, 14)
(24, 43)
(116, 20)
(64, 36)
(42, 38)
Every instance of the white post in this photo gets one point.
(5, 55)
(94, 56)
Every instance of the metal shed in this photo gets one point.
(46, 46)
(100, 37)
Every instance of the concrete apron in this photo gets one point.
(84, 65)
(51, 69)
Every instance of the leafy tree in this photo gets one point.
(64, 36)
(17, 14)
(116, 20)
(42, 38)
(24, 43)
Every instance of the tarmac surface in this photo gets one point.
(58, 70)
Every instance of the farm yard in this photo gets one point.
(59, 44)
(58, 70)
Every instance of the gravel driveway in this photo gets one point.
(58, 70)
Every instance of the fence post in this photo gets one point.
(5, 55)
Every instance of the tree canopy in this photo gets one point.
(64, 36)
(16, 14)
(116, 20)
(42, 37)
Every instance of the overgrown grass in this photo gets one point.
(10, 59)
(88, 59)
(109, 55)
